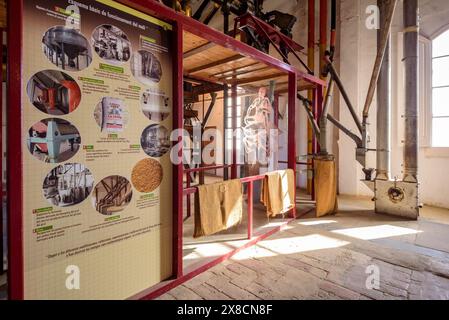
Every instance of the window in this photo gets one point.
(229, 133)
(440, 91)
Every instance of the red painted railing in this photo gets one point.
(249, 180)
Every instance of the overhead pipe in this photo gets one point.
(311, 64)
(333, 28)
(383, 130)
(345, 130)
(323, 36)
(390, 9)
(411, 53)
(307, 103)
(344, 94)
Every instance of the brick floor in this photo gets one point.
(315, 262)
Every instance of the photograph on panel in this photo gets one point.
(155, 106)
(146, 67)
(147, 175)
(111, 195)
(53, 140)
(155, 140)
(54, 92)
(111, 115)
(67, 48)
(111, 44)
(68, 184)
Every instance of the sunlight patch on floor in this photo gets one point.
(316, 222)
(302, 244)
(376, 232)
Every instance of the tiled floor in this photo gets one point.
(330, 258)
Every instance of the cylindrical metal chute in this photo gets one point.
(411, 29)
(383, 103)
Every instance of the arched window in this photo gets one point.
(440, 91)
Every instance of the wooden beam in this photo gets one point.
(207, 88)
(216, 63)
(260, 78)
(200, 80)
(301, 87)
(223, 73)
(239, 73)
(197, 50)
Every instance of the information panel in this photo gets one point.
(97, 117)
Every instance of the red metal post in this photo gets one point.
(234, 127)
(178, 174)
(14, 147)
(188, 199)
(2, 270)
(292, 92)
(311, 140)
(250, 209)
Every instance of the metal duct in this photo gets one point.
(411, 29)
(383, 102)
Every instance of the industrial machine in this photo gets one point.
(155, 106)
(67, 48)
(155, 141)
(112, 194)
(68, 184)
(147, 66)
(53, 140)
(54, 92)
(111, 43)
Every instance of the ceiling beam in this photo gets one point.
(216, 63)
(239, 73)
(260, 78)
(197, 50)
(223, 73)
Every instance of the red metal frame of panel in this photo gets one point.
(15, 113)
(14, 187)
(178, 120)
(2, 270)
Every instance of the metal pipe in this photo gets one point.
(323, 119)
(323, 36)
(411, 29)
(200, 10)
(333, 28)
(226, 12)
(344, 94)
(383, 102)
(345, 130)
(311, 64)
(389, 11)
(306, 103)
(292, 92)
